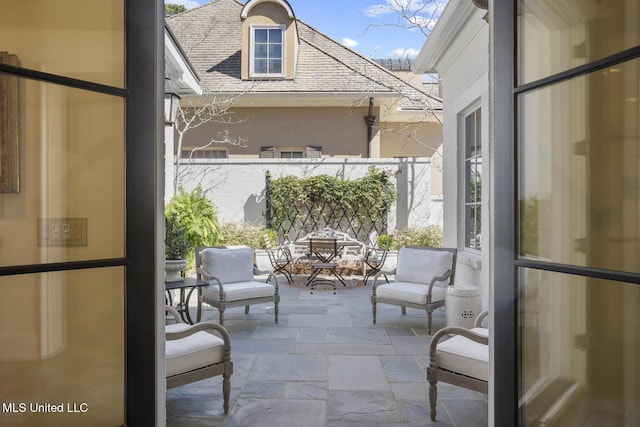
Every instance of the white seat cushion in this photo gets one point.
(422, 265)
(467, 357)
(238, 291)
(228, 265)
(410, 292)
(191, 352)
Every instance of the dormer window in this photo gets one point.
(267, 51)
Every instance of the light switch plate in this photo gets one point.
(62, 232)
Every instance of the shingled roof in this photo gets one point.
(210, 35)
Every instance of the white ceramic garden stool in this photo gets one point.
(462, 305)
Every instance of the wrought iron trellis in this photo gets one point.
(302, 218)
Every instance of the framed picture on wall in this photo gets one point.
(9, 160)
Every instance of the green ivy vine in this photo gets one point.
(324, 200)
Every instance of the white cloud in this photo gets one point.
(404, 53)
(349, 42)
(189, 4)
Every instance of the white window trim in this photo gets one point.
(461, 142)
(252, 30)
(302, 151)
(195, 156)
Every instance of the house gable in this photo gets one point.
(268, 18)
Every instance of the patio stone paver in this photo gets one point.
(372, 406)
(278, 412)
(306, 390)
(402, 369)
(356, 373)
(290, 367)
(325, 364)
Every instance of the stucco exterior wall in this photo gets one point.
(237, 186)
(339, 131)
(415, 140)
(463, 67)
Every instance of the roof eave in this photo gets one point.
(454, 16)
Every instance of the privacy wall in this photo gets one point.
(237, 186)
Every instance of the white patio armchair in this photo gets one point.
(422, 276)
(230, 273)
(196, 352)
(461, 360)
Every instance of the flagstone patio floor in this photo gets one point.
(325, 364)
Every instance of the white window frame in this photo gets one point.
(469, 227)
(301, 151)
(195, 156)
(253, 29)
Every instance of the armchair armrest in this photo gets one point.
(455, 330)
(480, 318)
(219, 283)
(203, 326)
(381, 273)
(174, 313)
(442, 278)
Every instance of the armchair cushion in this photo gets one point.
(238, 290)
(191, 352)
(464, 356)
(228, 265)
(415, 293)
(421, 266)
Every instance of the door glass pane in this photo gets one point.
(556, 35)
(580, 351)
(70, 205)
(579, 167)
(72, 38)
(63, 349)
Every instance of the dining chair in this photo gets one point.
(326, 251)
(374, 261)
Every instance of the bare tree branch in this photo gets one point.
(212, 108)
(420, 15)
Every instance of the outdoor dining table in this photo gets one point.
(326, 250)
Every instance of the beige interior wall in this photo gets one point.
(71, 151)
(73, 38)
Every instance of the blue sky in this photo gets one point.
(371, 27)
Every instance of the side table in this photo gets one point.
(186, 288)
(462, 305)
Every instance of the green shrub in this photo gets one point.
(197, 216)
(244, 233)
(176, 245)
(430, 236)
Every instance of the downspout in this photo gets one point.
(370, 119)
